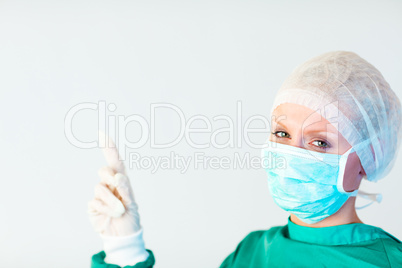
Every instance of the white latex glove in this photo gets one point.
(113, 211)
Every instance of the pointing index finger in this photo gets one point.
(111, 153)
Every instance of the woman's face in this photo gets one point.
(299, 126)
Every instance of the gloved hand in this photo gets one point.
(113, 211)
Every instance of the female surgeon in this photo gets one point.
(335, 121)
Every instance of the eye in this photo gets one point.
(321, 144)
(281, 134)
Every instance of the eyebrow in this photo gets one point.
(279, 123)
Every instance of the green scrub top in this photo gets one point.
(292, 245)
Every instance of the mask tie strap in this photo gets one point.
(373, 197)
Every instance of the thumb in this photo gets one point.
(111, 153)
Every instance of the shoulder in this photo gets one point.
(267, 234)
(244, 253)
(257, 238)
(393, 249)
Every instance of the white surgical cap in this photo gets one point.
(353, 95)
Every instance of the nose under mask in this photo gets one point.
(306, 183)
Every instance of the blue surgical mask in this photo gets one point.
(306, 183)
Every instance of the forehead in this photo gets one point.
(294, 115)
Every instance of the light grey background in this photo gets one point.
(202, 56)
